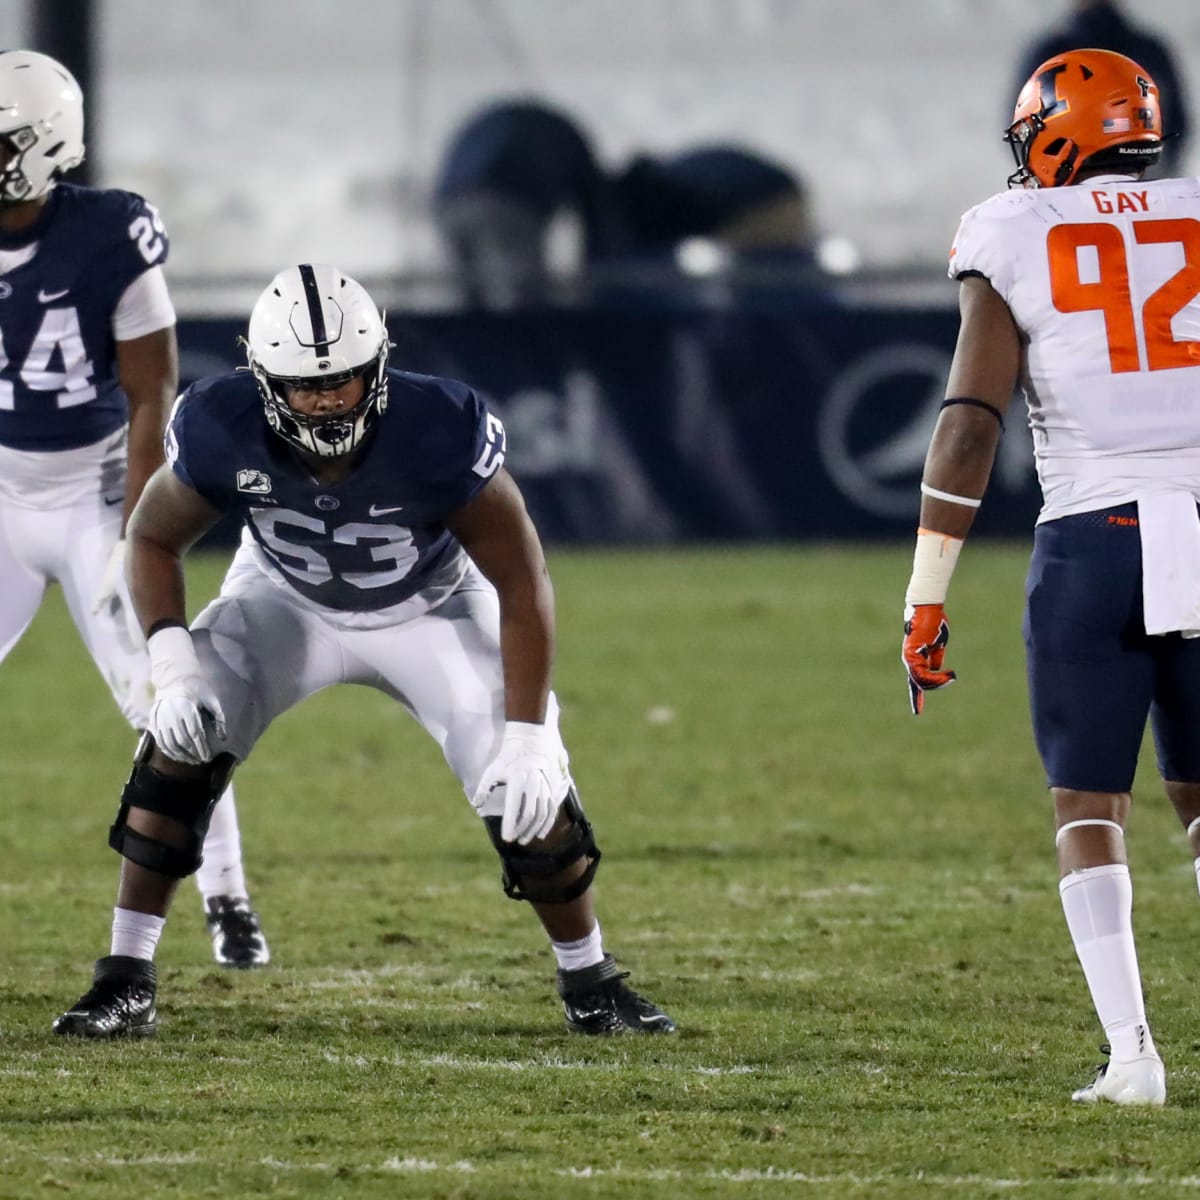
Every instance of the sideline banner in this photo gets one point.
(665, 427)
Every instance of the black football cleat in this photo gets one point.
(119, 1004)
(597, 1000)
(236, 933)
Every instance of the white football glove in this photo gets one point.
(113, 596)
(532, 769)
(184, 700)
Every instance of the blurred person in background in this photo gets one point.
(1083, 286)
(88, 369)
(384, 544)
(725, 215)
(1101, 25)
(508, 175)
(519, 171)
(741, 199)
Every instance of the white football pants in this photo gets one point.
(72, 545)
(264, 650)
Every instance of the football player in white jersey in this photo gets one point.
(87, 370)
(1083, 287)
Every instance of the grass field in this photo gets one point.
(852, 915)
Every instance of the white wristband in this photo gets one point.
(172, 656)
(526, 734)
(934, 560)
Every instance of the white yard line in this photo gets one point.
(457, 1062)
(412, 1164)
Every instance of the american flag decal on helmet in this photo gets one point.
(1116, 124)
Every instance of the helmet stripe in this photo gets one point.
(316, 315)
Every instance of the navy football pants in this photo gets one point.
(1094, 674)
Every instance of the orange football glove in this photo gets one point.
(926, 635)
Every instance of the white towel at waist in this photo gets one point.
(1170, 529)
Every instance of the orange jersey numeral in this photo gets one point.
(1110, 294)
(1162, 349)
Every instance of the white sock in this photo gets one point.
(1098, 905)
(221, 872)
(586, 952)
(135, 934)
(1197, 864)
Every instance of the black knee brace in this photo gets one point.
(529, 865)
(188, 801)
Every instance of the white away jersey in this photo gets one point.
(1103, 281)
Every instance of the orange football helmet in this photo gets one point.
(1084, 108)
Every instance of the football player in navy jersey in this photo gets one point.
(383, 544)
(87, 371)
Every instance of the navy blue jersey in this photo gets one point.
(58, 381)
(374, 538)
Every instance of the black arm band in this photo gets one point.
(974, 404)
(165, 623)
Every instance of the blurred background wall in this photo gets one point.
(268, 130)
(271, 131)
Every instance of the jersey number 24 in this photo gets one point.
(59, 331)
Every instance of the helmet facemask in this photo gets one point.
(331, 434)
(315, 329)
(15, 185)
(1020, 136)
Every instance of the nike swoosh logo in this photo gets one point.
(46, 297)
(378, 511)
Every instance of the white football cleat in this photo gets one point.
(1139, 1081)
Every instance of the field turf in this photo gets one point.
(851, 913)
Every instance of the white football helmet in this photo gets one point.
(315, 327)
(41, 120)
